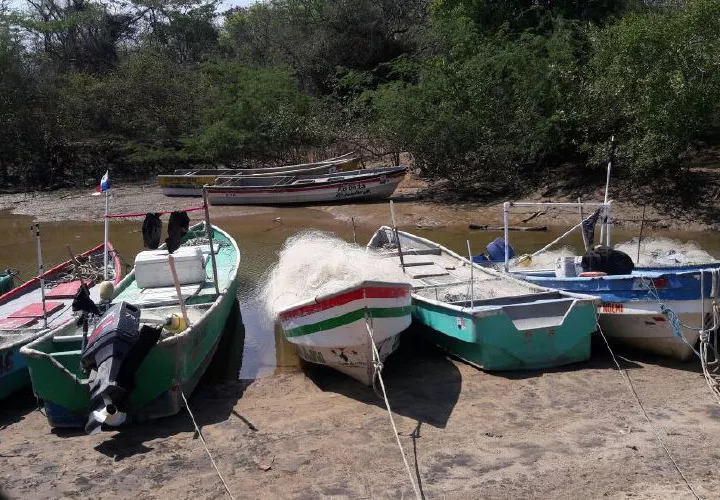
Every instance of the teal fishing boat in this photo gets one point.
(486, 318)
(192, 323)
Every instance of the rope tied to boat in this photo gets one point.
(207, 450)
(708, 331)
(626, 377)
(377, 365)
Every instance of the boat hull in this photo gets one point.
(631, 312)
(503, 340)
(332, 330)
(643, 325)
(375, 187)
(14, 374)
(174, 364)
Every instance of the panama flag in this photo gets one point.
(104, 184)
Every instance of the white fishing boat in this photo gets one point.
(189, 182)
(334, 329)
(354, 185)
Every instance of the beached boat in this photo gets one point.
(657, 309)
(7, 282)
(489, 319)
(376, 183)
(22, 318)
(173, 366)
(185, 182)
(332, 329)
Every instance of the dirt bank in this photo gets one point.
(569, 433)
(417, 205)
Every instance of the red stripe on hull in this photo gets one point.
(345, 298)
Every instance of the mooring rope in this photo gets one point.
(377, 364)
(207, 450)
(626, 377)
(705, 331)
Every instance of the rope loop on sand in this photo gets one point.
(626, 377)
(377, 365)
(207, 450)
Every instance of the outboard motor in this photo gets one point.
(112, 355)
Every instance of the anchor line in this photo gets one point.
(626, 377)
(207, 450)
(377, 364)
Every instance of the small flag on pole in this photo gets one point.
(104, 184)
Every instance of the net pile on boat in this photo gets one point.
(315, 263)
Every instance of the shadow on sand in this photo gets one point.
(421, 383)
(16, 406)
(212, 401)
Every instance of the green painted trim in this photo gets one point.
(329, 324)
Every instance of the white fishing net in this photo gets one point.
(665, 252)
(314, 263)
(654, 252)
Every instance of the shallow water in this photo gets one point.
(260, 238)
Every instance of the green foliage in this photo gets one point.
(486, 94)
(250, 112)
(654, 81)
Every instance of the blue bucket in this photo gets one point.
(496, 250)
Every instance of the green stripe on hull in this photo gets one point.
(346, 319)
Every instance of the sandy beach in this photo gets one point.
(309, 432)
(575, 432)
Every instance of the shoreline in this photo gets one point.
(414, 207)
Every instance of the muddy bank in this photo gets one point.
(570, 433)
(415, 207)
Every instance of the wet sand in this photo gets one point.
(309, 432)
(415, 206)
(568, 433)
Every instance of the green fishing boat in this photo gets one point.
(173, 366)
(489, 319)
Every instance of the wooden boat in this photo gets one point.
(638, 309)
(489, 319)
(190, 182)
(332, 329)
(21, 311)
(174, 364)
(374, 183)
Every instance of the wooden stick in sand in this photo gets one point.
(397, 236)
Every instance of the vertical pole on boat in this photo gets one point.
(605, 227)
(642, 223)
(472, 277)
(209, 230)
(608, 221)
(506, 208)
(582, 218)
(352, 220)
(36, 228)
(397, 236)
(178, 288)
(107, 236)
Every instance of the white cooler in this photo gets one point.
(152, 269)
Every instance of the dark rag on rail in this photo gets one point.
(177, 229)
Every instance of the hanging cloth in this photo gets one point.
(152, 230)
(177, 229)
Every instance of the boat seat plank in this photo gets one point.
(36, 310)
(166, 295)
(430, 271)
(66, 290)
(15, 323)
